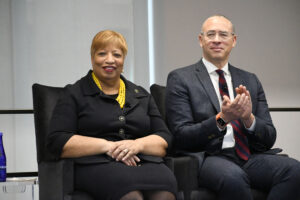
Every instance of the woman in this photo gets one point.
(113, 130)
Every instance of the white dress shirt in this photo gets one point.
(228, 140)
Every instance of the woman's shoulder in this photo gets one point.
(73, 92)
(82, 86)
(73, 88)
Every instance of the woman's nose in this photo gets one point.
(110, 58)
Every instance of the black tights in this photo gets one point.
(148, 195)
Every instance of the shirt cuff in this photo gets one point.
(222, 129)
(252, 127)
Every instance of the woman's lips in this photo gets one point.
(109, 68)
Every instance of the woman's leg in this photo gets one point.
(134, 195)
(159, 195)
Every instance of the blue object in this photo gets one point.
(2, 160)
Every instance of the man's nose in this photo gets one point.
(217, 38)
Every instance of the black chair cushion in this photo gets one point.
(158, 93)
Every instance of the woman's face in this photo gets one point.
(108, 63)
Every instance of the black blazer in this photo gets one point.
(85, 110)
(192, 105)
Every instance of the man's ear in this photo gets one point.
(200, 38)
(234, 41)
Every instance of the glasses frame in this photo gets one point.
(215, 33)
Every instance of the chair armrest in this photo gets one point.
(56, 179)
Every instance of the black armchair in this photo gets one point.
(56, 181)
(186, 167)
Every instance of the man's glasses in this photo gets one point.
(223, 35)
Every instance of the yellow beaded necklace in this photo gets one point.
(121, 97)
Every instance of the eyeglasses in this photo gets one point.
(223, 35)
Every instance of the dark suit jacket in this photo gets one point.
(192, 105)
(85, 110)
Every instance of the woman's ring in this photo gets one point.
(125, 151)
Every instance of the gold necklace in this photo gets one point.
(121, 96)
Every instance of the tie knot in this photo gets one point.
(220, 72)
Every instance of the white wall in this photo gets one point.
(6, 82)
(51, 40)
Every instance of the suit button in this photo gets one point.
(121, 131)
(122, 118)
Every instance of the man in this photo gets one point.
(222, 110)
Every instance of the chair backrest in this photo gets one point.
(44, 101)
(159, 94)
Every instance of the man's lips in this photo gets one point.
(217, 49)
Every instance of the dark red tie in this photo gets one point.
(241, 141)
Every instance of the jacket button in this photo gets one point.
(122, 118)
(121, 131)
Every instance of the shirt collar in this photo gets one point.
(211, 68)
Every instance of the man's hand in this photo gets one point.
(247, 117)
(239, 108)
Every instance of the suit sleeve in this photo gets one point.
(190, 134)
(265, 133)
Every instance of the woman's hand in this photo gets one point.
(131, 161)
(125, 151)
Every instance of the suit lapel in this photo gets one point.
(204, 78)
(236, 78)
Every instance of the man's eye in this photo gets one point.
(211, 34)
(224, 35)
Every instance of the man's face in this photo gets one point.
(217, 39)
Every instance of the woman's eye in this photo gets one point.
(117, 55)
(101, 53)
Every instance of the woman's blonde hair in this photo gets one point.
(107, 37)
